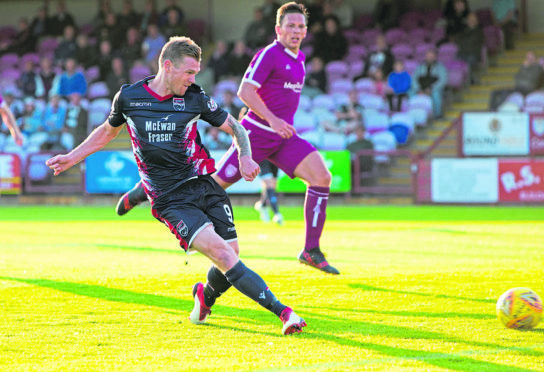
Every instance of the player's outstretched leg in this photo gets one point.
(253, 286)
(131, 199)
(205, 295)
(314, 214)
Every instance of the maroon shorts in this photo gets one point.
(286, 154)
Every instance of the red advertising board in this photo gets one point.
(521, 180)
(536, 144)
(10, 174)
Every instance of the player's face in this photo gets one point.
(291, 31)
(183, 76)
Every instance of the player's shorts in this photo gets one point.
(192, 207)
(287, 154)
(268, 170)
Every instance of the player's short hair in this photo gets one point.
(178, 47)
(291, 7)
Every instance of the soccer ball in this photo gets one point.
(519, 308)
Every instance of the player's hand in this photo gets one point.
(59, 163)
(281, 127)
(242, 113)
(18, 137)
(248, 168)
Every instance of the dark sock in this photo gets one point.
(253, 286)
(271, 196)
(217, 285)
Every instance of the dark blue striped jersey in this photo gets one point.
(163, 131)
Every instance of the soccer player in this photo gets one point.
(271, 89)
(161, 114)
(9, 119)
(269, 177)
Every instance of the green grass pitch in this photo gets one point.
(82, 289)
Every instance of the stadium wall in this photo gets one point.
(229, 17)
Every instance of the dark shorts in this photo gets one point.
(268, 170)
(194, 205)
(287, 154)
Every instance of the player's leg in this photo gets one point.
(318, 178)
(131, 199)
(298, 158)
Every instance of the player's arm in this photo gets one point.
(248, 94)
(94, 142)
(248, 168)
(9, 119)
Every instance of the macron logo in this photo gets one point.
(296, 87)
(262, 295)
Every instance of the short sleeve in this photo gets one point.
(116, 117)
(210, 110)
(260, 68)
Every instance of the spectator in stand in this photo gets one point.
(8, 122)
(111, 31)
(456, 20)
(128, 16)
(269, 10)
(67, 47)
(24, 41)
(171, 5)
(430, 78)
(70, 81)
(330, 44)
(29, 83)
(344, 12)
(470, 42)
(47, 75)
(218, 61)
(41, 24)
(117, 76)
(74, 129)
(228, 104)
(387, 13)
(173, 26)
(315, 12)
(31, 120)
(131, 50)
(53, 122)
(504, 16)
(348, 116)
(239, 59)
(316, 79)
(149, 16)
(380, 84)
(527, 80)
(152, 45)
(257, 32)
(61, 19)
(380, 58)
(399, 81)
(105, 55)
(366, 162)
(85, 53)
(214, 139)
(104, 9)
(15, 105)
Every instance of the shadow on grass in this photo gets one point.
(365, 287)
(337, 324)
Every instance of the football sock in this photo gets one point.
(216, 285)
(271, 196)
(253, 286)
(264, 199)
(137, 195)
(315, 206)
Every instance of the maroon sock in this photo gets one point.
(315, 207)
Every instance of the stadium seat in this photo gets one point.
(9, 60)
(92, 74)
(353, 36)
(375, 121)
(356, 52)
(305, 103)
(223, 85)
(410, 66)
(402, 126)
(304, 121)
(517, 99)
(138, 72)
(340, 86)
(418, 36)
(457, 73)
(421, 101)
(340, 98)
(324, 101)
(369, 36)
(10, 74)
(395, 36)
(372, 101)
(402, 51)
(336, 70)
(98, 89)
(421, 49)
(447, 52)
(419, 116)
(34, 57)
(534, 99)
(356, 68)
(383, 141)
(365, 85)
(493, 39)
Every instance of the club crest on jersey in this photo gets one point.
(212, 105)
(179, 103)
(182, 229)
